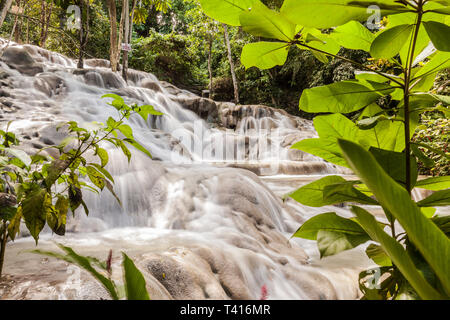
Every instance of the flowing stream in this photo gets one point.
(203, 219)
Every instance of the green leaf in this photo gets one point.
(427, 162)
(329, 221)
(35, 207)
(394, 164)
(96, 177)
(134, 281)
(226, 11)
(434, 183)
(331, 243)
(438, 198)
(440, 61)
(353, 35)
(439, 34)
(124, 148)
(397, 254)
(103, 156)
(146, 110)
(347, 193)
(377, 254)
(442, 223)
(330, 13)
(14, 224)
(428, 239)
(138, 146)
(389, 43)
(313, 194)
(260, 21)
(103, 171)
(264, 55)
(126, 131)
(85, 263)
(117, 101)
(342, 97)
(19, 154)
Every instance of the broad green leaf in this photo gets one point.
(19, 154)
(329, 190)
(320, 41)
(370, 76)
(353, 35)
(331, 243)
(14, 224)
(434, 183)
(439, 34)
(96, 177)
(330, 13)
(260, 21)
(146, 110)
(85, 263)
(330, 128)
(347, 192)
(427, 238)
(35, 207)
(329, 221)
(126, 130)
(323, 148)
(264, 55)
(342, 97)
(389, 43)
(134, 281)
(438, 198)
(397, 254)
(138, 146)
(226, 11)
(103, 156)
(124, 148)
(442, 223)
(117, 101)
(394, 164)
(377, 254)
(440, 61)
(426, 161)
(103, 171)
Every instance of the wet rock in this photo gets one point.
(22, 61)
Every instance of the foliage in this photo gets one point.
(170, 57)
(40, 189)
(434, 132)
(385, 100)
(134, 281)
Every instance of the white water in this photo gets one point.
(214, 230)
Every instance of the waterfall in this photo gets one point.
(204, 218)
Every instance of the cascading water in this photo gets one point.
(197, 220)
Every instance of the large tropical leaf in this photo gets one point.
(397, 254)
(134, 281)
(263, 22)
(331, 13)
(264, 55)
(432, 243)
(226, 11)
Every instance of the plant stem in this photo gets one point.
(406, 94)
(3, 246)
(352, 62)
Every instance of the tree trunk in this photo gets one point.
(126, 37)
(6, 6)
(131, 20)
(3, 240)
(84, 31)
(210, 40)
(113, 34)
(46, 13)
(121, 31)
(230, 59)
